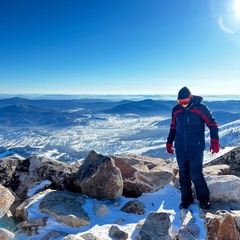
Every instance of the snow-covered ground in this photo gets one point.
(106, 134)
(166, 200)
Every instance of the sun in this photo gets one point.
(227, 13)
(236, 6)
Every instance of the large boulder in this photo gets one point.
(10, 168)
(22, 174)
(60, 174)
(225, 188)
(98, 177)
(142, 174)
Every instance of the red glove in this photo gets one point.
(214, 146)
(169, 148)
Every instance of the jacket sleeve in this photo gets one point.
(172, 131)
(211, 123)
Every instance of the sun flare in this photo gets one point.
(228, 14)
(236, 6)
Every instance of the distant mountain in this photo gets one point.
(146, 107)
(30, 116)
(93, 105)
(223, 117)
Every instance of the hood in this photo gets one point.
(194, 101)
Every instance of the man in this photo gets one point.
(187, 129)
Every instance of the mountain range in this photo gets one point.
(69, 129)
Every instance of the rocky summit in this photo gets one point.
(64, 188)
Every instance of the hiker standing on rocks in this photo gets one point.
(187, 131)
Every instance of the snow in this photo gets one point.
(164, 200)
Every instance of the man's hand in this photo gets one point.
(214, 146)
(169, 148)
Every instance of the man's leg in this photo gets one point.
(184, 178)
(196, 174)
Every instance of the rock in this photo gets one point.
(60, 174)
(89, 236)
(72, 237)
(6, 200)
(9, 166)
(65, 207)
(217, 170)
(6, 235)
(100, 210)
(22, 210)
(214, 207)
(221, 226)
(189, 230)
(157, 226)
(231, 159)
(11, 170)
(117, 234)
(9, 222)
(54, 235)
(134, 206)
(99, 178)
(22, 174)
(142, 174)
(236, 216)
(225, 188)
(34, 222)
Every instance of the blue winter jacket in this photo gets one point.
(187, 128)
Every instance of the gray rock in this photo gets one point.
(100, 210)
(225, 188)
(231, 159)
(189, 230)
(65, 207)
(222, 169)
(54, 235)
(157, 226)
(89, 236)
(117, 234)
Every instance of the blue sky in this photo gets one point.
(119, 47)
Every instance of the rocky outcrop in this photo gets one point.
(231, 159)
(98, 177)
(107, 178)
(142, 174)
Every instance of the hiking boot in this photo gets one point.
(184, 205)
(204, 204)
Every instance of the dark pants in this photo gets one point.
(190, 165)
